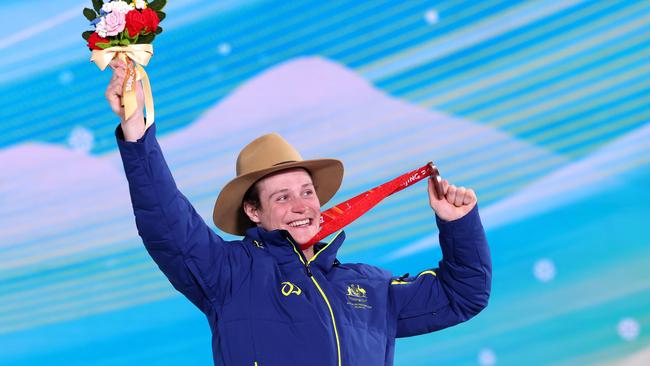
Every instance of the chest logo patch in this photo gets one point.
(357, 297)
(289, 288)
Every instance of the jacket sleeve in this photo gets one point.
(197, 262)
(452, 293)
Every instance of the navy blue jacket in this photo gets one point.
(267, 305)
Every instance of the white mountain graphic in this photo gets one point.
(58, 202)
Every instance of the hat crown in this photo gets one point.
(264, 152)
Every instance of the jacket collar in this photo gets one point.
(280, 245)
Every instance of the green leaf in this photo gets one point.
(146, 39)
(125, 35)
(86, 34)
(90, 14)
(161, 15)
(124, 42)
(97, 4)
(158, 30)
(103, 46)
(157, 5)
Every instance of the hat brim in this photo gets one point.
(228, 215)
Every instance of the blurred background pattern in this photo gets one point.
(543, 107)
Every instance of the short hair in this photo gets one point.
(252, 197)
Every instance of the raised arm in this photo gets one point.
(460, 287)
(133, 128)
(196, 261)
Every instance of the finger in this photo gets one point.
(117, 64)
(114, 91)
(119, 72)
(460, 196)
(117, 78)
(445, 186)
(432, 190)
(115, 82)
(437, 185)
(114, 97)
(451, 194)
(470, 197)
(115, 86)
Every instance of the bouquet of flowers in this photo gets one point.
(126, 29)
(122, 23)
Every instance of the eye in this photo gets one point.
(308, 193)
(281, 198)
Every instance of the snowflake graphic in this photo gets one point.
(544, 270)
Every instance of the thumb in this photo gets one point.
(434, 200)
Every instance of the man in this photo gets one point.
(268, 302)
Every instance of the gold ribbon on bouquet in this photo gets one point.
(135, 56)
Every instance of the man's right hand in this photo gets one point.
(133, 128)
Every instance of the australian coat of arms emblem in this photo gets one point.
(357, 297)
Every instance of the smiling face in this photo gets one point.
(288, 201)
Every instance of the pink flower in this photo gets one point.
(111, 24)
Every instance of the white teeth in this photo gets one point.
(299, 223)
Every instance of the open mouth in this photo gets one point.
(300, 223)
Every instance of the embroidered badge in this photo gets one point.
(357, 297)
(289, 288)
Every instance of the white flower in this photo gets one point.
(107, 7)
(117, 6)
(122, 7)
(140, 4)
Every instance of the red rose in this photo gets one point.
(150, 19)
(135, 22)
(94, 39)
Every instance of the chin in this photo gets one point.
(302, 236)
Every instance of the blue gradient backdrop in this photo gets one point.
(543, 107)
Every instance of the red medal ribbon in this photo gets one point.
(346, 212)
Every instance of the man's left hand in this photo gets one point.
(456, 203)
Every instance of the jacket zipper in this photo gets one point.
(322, 293)
(336, 333)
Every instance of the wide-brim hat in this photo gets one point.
(265, 155)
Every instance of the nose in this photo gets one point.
(298, 206)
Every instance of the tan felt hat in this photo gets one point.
(265, 155)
